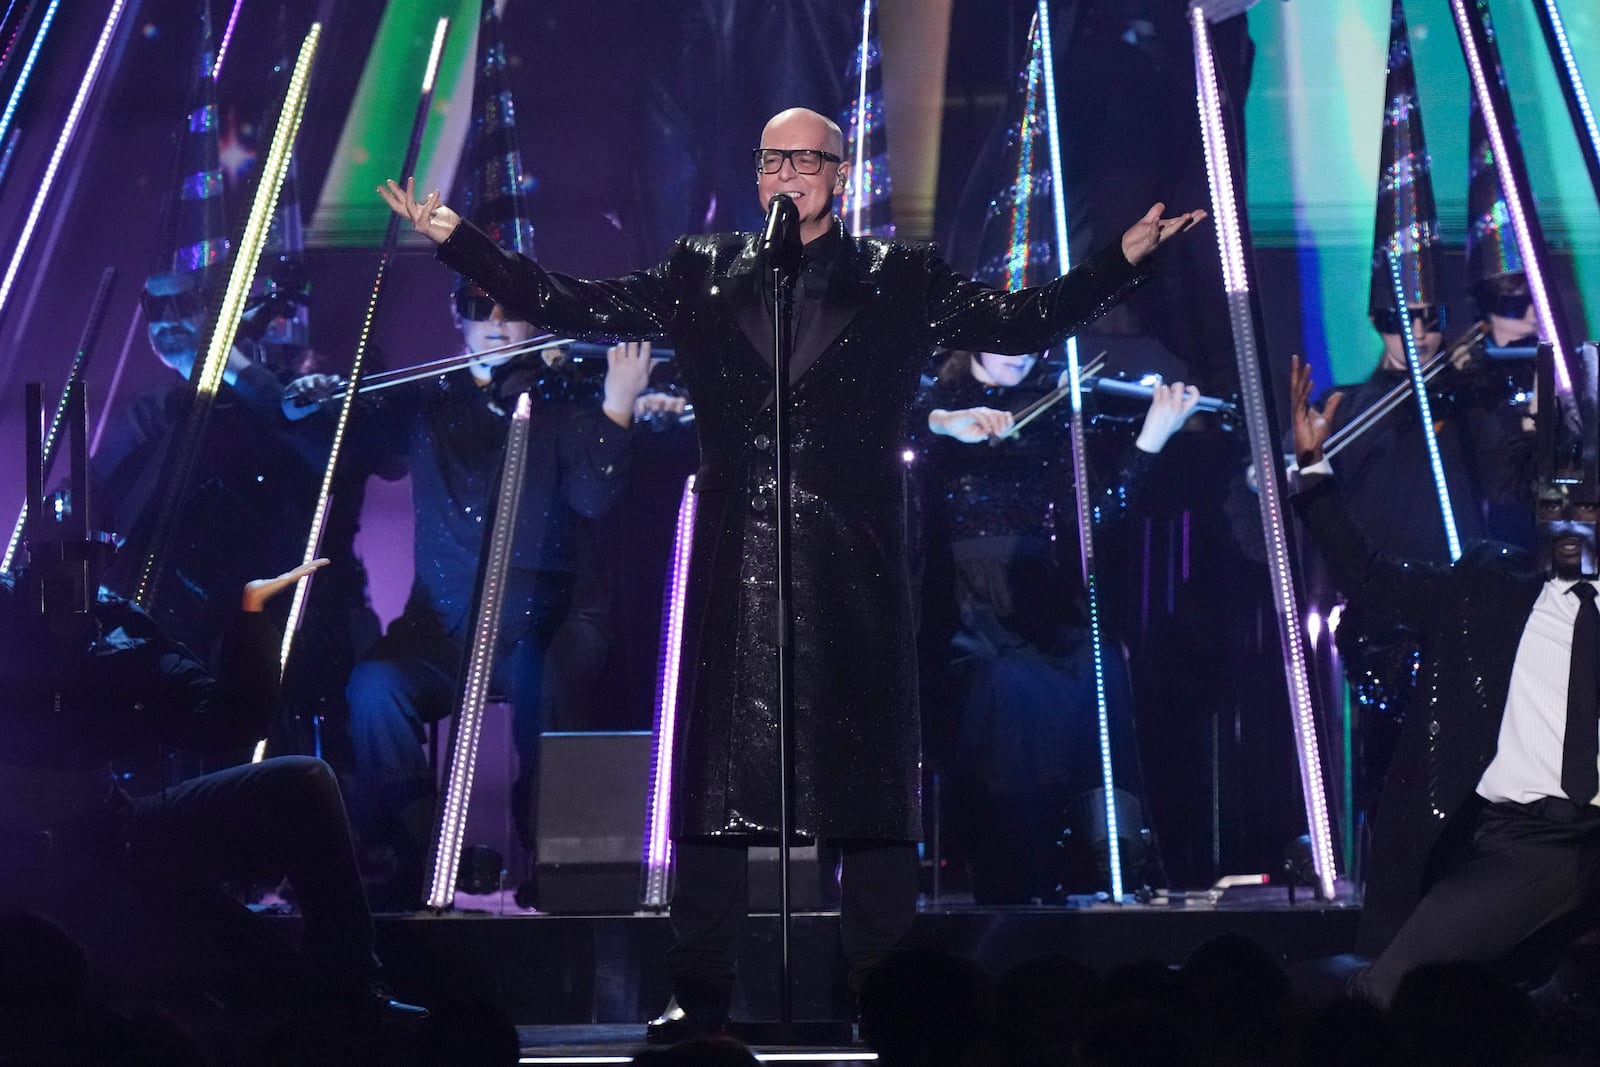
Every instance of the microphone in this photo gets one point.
(781, 236)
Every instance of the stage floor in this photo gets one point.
(554, 973)
(617, 1043)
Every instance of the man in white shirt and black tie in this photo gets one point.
(1488, 829)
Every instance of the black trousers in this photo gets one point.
(877, 903)
(1526, 866)
(280, 818)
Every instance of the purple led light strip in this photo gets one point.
(227, 36)
(658, 820)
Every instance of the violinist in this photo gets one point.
(451, 433)
(1386, 471)
(1009, 695)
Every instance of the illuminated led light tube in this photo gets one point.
(1265, 451)
(69, 129)
(52, 435)
(10, 111)
(1080, 466)
(1566, 64)
(468, 725)
(262, 209)
(225, 326)
(319, 514)
(658, 819)
(858, 173)
(1483, 60)
(1419, 389)
(227, 38)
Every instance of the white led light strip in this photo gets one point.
(658, 834)
(260, 220)
(1515, 194)
(1574, 80)
(1080, 464)
(1419, 389)
(1265, 451)
(27, 68)
(858, 173)
(468, 725)
(69, 129)
(319, 515)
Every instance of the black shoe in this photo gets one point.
(674, 1025)
(384, 1005)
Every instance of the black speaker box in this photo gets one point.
(593, 789)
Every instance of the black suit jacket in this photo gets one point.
(1470, 617)
(855, 372)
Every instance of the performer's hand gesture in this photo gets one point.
(258, 592)
(1153, 231)
(430, 217)
(970, 425)
(1311, 426)
(627, 376)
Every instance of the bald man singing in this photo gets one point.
(867, 312)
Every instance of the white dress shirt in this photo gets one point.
(1527, 761)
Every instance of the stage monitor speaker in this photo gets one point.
(593, 788)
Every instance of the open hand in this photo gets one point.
(627, 376)
(430, 217)
(258, 592)
(1311, 425)
(1153, 231)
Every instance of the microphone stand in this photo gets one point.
(780, 243)
(783, 266)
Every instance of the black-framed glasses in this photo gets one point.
(1431, 316)
(474, 305)
(174, 307)
(803, 160)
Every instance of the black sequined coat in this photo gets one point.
(1470, 617)
(856, 738)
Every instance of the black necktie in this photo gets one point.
(1580, 749)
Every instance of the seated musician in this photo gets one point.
(1010, 701)
(451, 433)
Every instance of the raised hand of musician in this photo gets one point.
(258, 592)
(1153, 231)
(430, 217)
(1311, 425)
(627, 376)
(305, 394)
(970, 425)
(1170, 407)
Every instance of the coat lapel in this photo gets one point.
(749, 310)
(846, 295)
